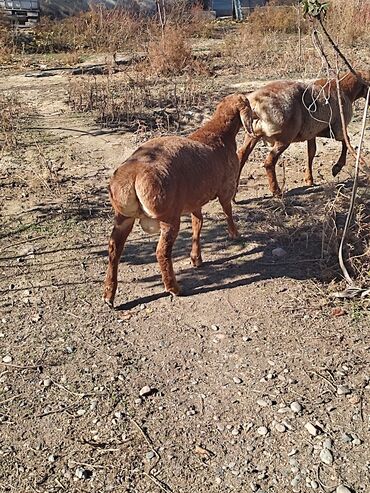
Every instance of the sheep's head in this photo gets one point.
(365, 76)
(246, 114)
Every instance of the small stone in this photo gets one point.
(280, 428)
(80, 412)
(312, 430)
(328, 443)
(235, 431)
(82, 473)
(51, 458)
(7, 359)
(356, 441)
(283, 410)
(215, 328)
(118, 414)
(343, 390)
(326, 457)
(342, 489)
(237, 380)
(47, 382)
(295, 481)
(355, 399)
(218, 480)
(314, 484)
(296, 407)
(287, 424)
(254, 486)
(292, 452)
(262, 430)
(262, 403)
(346, 438)
(278, 252)
(144, 391)
(150, 455)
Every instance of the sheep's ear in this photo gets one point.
(246, 117)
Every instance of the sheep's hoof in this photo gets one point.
(174, 291)
(196, 261)
(234, 236)
(277, 193)
(335, 169)
(109, 302)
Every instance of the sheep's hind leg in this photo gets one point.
(122, 228)
(311, 151)
(169, 231)
(227, 208)
(197, 223)
(270, 164)
(341, 161)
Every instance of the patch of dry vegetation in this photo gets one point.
(137, 102)
(318, 221)
(13, 114)
(276, 40)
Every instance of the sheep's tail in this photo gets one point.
(125, 202)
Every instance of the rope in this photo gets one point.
(353, 195)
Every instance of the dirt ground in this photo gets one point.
(254, 335)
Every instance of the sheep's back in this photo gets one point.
(176, 175)
(296, 111)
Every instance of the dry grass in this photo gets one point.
(170, 54)
(357, 245)
(315, 223)
(137, 102)
(349, 21)
(13, 114)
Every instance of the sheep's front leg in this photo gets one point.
(197, 223)
(227, 208)
(122, 228)
(270, 164)
(311, 151)
(341, 161)
(169, 231)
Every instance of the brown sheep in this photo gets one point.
(286, 112)
(171, 176)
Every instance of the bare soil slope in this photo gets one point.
(236, 370)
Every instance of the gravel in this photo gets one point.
(237, 380)
(326, 456)
(342, 489)
(279, 252)
(343, 390)
(82, 473)
(312, 430)
(296, 407)
(144, 391)
(262, 430)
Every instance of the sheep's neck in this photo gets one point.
(218, 131)
(352, 87)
